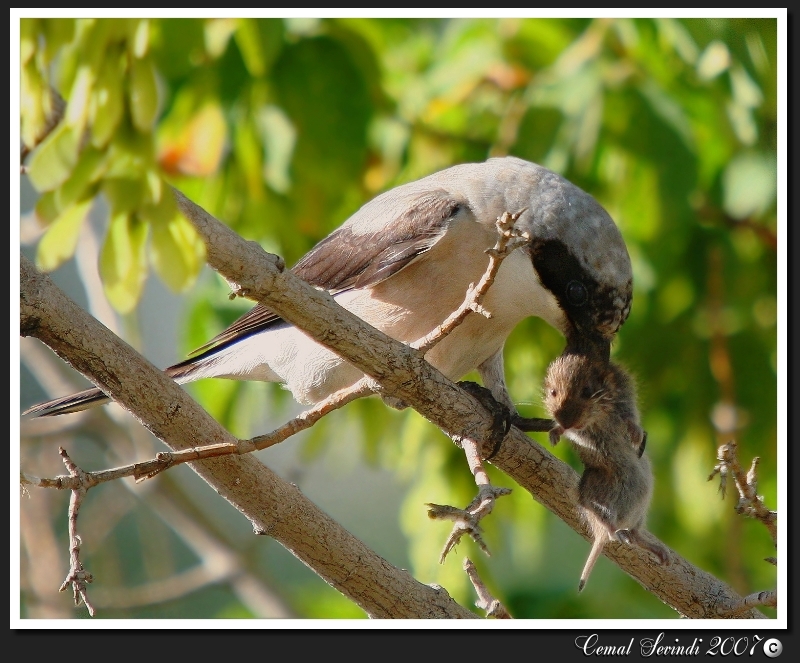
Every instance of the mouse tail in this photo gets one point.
(597, 548)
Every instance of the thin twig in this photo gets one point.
(509, 239)
(166, 459)
(486, 601)
(767, 598)
(78, 577)
(750, 503)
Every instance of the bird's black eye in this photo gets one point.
(576, 293)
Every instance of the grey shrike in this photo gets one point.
(403, 263)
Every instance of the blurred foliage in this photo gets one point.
(283, 128)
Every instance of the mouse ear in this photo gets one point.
(638, 438)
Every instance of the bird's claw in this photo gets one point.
(466, 521)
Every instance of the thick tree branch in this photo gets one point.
(274, 506)
(277, 508)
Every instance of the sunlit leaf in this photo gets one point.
(141, 37)
(177, 253)
(59, 241)
(123, 263)
(217, 32)
(198, 146)
(143, 94)
(46, 208)
(28, 33)
(53, 161)
(90, 167)
(279, 138)
(78, 105)
(250, 45)
(714, 60)
(108, 101)
(34, 103)
(124, 195)
(750, 183)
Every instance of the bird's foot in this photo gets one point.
(466, 521)
(502, 417)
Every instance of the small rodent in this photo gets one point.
(594, 405)
(581, 392)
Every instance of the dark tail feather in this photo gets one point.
(84, 400)
(66, 404)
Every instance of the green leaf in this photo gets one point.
(125, 195)
(90, 167)
(58, 243)
(107, 103)
(259, 41)
(131, 153)
(140, 37)
(57, 33)
(78, 105)
(46, 208)
(143, 94)
(123, 263)
(714, 60)
(28, 35)
(33, 103)
(177, 253)
(53, 161)
(279, 138)
(217, 33)
(669, 110)
(249, 42)
(750, 184)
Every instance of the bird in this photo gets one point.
(404, 261)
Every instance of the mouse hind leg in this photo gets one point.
(656, 548)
